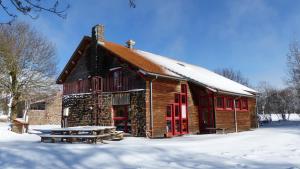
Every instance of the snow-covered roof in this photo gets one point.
(198, 74)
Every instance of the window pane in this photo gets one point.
(169, 126)
(244, 104)
(183, 99)
(177, 98)
(169, 111)
(220, 102)
(177, 111)
(177, 125)
(237, 104)
(228, 103)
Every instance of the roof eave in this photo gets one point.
(160, 75)
(59, 79)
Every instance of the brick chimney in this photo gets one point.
(98, 33)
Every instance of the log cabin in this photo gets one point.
(148, 95)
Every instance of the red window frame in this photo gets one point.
(222, 101)
(229, 103)
(238, 104)
(170, 119)
(244, 104)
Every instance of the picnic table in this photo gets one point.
(88, 134)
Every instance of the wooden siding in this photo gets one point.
(163, 94)
(225, 118)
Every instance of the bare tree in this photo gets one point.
(132, 3)
(282, 102)
(27, 63)
(288, 102)
(32, 8)
(233, 75)
(293, 65)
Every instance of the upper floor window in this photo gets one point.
(117, 78)
(183, 88)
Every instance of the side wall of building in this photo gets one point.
(226, 119)
(51, 114)
(163, 94)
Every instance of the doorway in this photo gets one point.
(177, 114)
(120, 118)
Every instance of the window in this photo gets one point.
(183, 88)
(177, 111)
(220, 102)
(96, 83)
(237, 104)
(38, 106)
(229, 103)
(169, 121)
(169, 111)
(183, 99)
(117, 76)
(244, 104)
(177, 98)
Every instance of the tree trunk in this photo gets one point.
(15, 96)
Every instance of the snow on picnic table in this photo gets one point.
(274, 146)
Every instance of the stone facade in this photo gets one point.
(105, 117)
(80, 106)
(83, 111)
(138, 113)
(50, 115)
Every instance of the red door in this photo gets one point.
(177, 114)
(120, 117)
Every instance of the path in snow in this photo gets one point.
(274, 147)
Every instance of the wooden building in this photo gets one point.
(145, 94)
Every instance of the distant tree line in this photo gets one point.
(283, 101)
(271, 100)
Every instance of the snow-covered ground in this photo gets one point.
(278, 117)
(272, 147)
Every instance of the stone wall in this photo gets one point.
(51, 114)
(81, 113)
(105, 117)
(138, 113)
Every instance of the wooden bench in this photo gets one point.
(216, 129)
(70, 138)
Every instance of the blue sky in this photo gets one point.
(247, 35)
